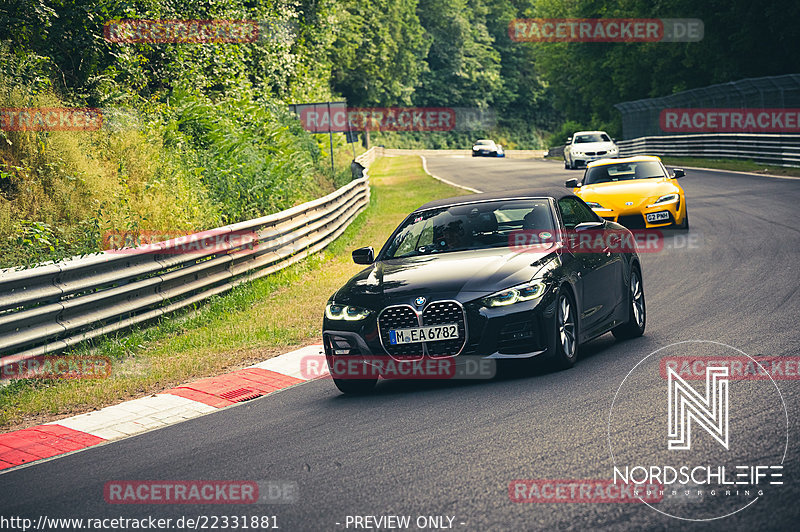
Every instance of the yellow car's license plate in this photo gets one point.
(657, 216)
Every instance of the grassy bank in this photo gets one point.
(243, 327)
(190, 166)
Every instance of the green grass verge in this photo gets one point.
(248, 325)
(744, 165)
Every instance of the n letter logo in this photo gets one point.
(686, 405)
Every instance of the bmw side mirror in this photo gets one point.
(588, 225)
(572, 183)
(678, 172)
(569, 140)
(364, 255)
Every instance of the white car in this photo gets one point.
(586, 146)
(487, 148)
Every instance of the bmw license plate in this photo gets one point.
(657, 216)
(414, 335)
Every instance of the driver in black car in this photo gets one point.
(453, 236)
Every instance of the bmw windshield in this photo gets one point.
(468, 227)
(591, 137)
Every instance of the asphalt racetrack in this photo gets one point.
(451, 449)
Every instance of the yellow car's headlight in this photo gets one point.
(666, 199)
(517, 294)
(345, 312)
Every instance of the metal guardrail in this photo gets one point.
(770, 148)
(778, 149)
(50, 308)
(641, 118)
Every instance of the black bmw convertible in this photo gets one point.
(493, 275)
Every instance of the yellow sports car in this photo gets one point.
(637, 192)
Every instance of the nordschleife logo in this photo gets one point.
(712, 448)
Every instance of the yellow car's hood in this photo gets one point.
(614, 195)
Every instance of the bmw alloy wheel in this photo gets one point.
(637, 298)
(566, 326)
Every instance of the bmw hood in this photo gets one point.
(460, 275)
(592, 146)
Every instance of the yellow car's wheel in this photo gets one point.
(685, 223)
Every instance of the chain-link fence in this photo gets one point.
(642, 118)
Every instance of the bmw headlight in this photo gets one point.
(665, 199)
(334, 311)
(525, 292)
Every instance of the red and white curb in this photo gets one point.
(22, 447)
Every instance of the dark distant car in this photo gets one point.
(487, 148)
(454, 280)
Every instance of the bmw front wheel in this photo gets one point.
(566, 334)
(637, 319)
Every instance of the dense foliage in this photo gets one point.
(742, 39)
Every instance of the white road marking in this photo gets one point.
(138, 415)
(425, 167)
(291, 363)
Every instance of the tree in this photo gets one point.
(379, 53)
(463, 66)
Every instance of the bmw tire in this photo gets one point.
(565, 341)
(637, 319)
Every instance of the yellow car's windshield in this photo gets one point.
(623, 171)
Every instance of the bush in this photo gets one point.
(184, 167)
